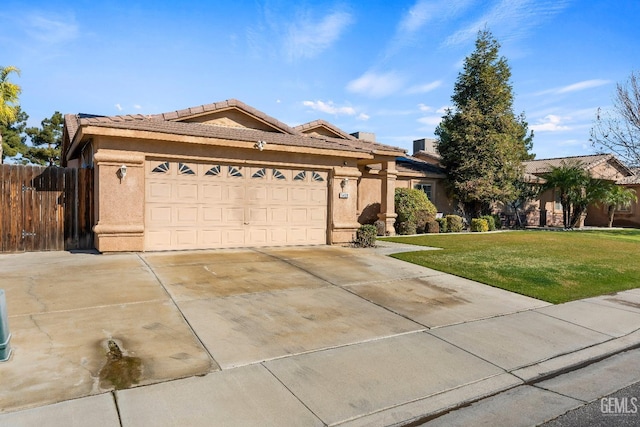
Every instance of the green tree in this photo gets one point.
(9, 93)
(524, 192)
(577, 188)
(618, 130)
(481, 141)
(13, 136)
(46, 141)
(566, 179)
(616, 197)
(591, 190)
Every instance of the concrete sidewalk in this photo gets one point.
(281, 336)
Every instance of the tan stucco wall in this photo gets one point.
(120, 203)
(597, 215)
(369, 191)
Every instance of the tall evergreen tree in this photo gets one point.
(481, 141)
(13, 137)
(46, 141)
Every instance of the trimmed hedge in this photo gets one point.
(414, 210)
(491, 221)
(433, 227)
(442, 222)
(366, 236)
(479, 225)
(455, 223)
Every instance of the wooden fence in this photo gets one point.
(45, 208)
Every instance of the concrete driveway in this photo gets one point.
(326, 324)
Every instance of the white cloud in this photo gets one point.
(425, 11)
(430, 120)
(137, 107)
(443, 109)
(512, 18)
(550, 123)
(364, 117)
(118, 107)
(417, 16)
(376, 85)
(424, 88)
(574, 87)
(51, 29)
(587, 84)
(330, 108)
(307, 37)
(425, 108)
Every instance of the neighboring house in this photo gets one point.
(546, 210)
(227, 175)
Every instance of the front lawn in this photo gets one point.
(554, 266)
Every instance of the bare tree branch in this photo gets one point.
(618, 130)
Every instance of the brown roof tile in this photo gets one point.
(544, 165)
(170, 123)
(322, 123)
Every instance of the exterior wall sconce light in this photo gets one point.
(122, 172)
(260, 145)
(344, 183)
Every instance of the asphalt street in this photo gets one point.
(621, 408)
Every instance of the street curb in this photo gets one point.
(544, 370)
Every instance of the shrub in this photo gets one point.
(455, 223)
(479, 225)
(433, 226)
(423, 218)
(442, 222)
(414, 210)
(406, 228)
(366, 236)
(497, 221)
(491, 221)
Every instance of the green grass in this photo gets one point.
(552, 266)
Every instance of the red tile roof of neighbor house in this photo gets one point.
(172, 123)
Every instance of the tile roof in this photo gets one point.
(541, 166)
(303, 128)
(171, 123)
(187, 113)
(631, 179)
(411, 164)
(535, 168)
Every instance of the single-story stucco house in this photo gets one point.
(226, 175)
(546, 209)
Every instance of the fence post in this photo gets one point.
(5, 335)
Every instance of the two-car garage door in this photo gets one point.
(218, 205)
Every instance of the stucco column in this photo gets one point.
(344, 204)
(388, 174)
(119, 201)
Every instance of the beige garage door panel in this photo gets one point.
(196, 206)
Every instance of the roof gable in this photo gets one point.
(606, 166)
(323, 128)
(230, 113)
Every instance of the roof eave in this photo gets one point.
(94, 130)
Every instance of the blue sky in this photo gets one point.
(380, 66)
